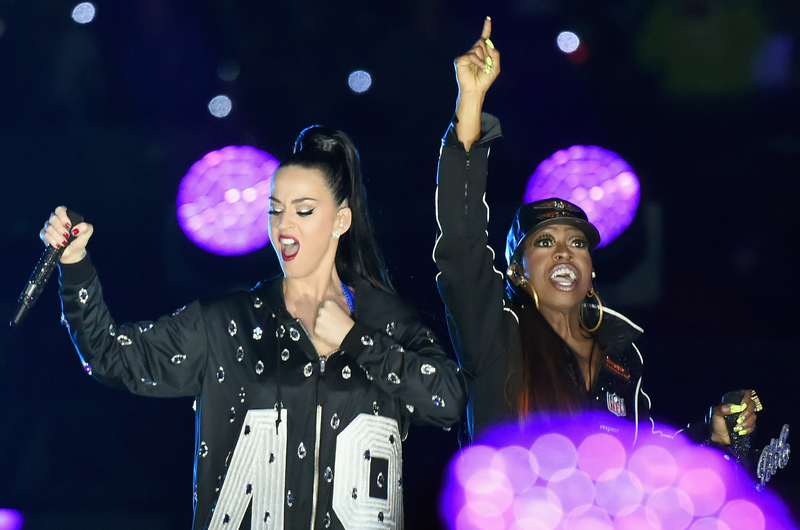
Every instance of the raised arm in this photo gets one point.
(470, 286)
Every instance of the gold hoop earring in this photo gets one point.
(592, 294)
(524, 283)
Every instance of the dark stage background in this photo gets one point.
(701, 97)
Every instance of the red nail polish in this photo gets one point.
(66, 235)
(65, 243)
(67, 225)
(75, 231)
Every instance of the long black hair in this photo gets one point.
(546, 380)
(334, 155)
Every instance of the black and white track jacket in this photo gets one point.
(285, 438)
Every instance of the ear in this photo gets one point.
(344, 219)
(515, 274)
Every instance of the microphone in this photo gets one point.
(40, 275)
(739, 444)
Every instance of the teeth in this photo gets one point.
(564, 271)
(287, 241)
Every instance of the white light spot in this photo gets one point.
(83, 13)
(250, 194)
(232, 195)
(220, 106)
(567, 41)
(596, 193)
(359, 81)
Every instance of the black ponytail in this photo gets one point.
(333, 154)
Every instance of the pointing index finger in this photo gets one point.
(487, 28)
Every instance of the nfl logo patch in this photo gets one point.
(615, 404)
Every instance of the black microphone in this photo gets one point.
(739, 444)
(40, 275)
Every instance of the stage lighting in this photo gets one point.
(220, 106)
(223, 201)
(567, 41)
(597, 180)
(580, 472)
(359, 81)
(83, 13)
(10, 520)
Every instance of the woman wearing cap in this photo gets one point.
(537, 337)
(306, 384)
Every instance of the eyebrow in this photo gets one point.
(304, 199)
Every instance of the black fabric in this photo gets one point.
(226, 351)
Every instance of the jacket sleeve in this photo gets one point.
(407, 362)
(470, 286)
(166, 358)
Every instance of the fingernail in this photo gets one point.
(489, 62)
(735, 409)
(488, 17)
(742, 432)
(490, 44)
(739, 420)
(67, 225)
(487, 70)
(66, 234)
(75, 231)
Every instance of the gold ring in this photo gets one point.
(758, 406)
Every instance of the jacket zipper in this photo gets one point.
(315, 495)
(318, 435)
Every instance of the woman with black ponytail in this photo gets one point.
(306, 384)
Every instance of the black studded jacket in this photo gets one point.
(285, 438)
(483, 328)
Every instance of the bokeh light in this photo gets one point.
(563, 473)
(229, 70)
(597, 180)
(223, 201)
(567, 41)
(359, 81)
(10, 519)
(83, 13)
(220, 106)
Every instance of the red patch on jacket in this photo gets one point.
(617, 369)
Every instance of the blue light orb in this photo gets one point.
(567, 41)
(220, 106)
(223, 201)
(359, 81)
(83, 13)
(597, 180)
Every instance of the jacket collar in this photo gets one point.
(617, 332)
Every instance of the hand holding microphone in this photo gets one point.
(65, 235)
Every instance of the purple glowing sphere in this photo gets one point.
(10, 519)
(580, 472)
(223, 201)
(597, 180)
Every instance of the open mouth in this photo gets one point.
(289, 247)
(564, 277)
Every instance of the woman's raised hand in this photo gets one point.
(477, 69)
(57, 231)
